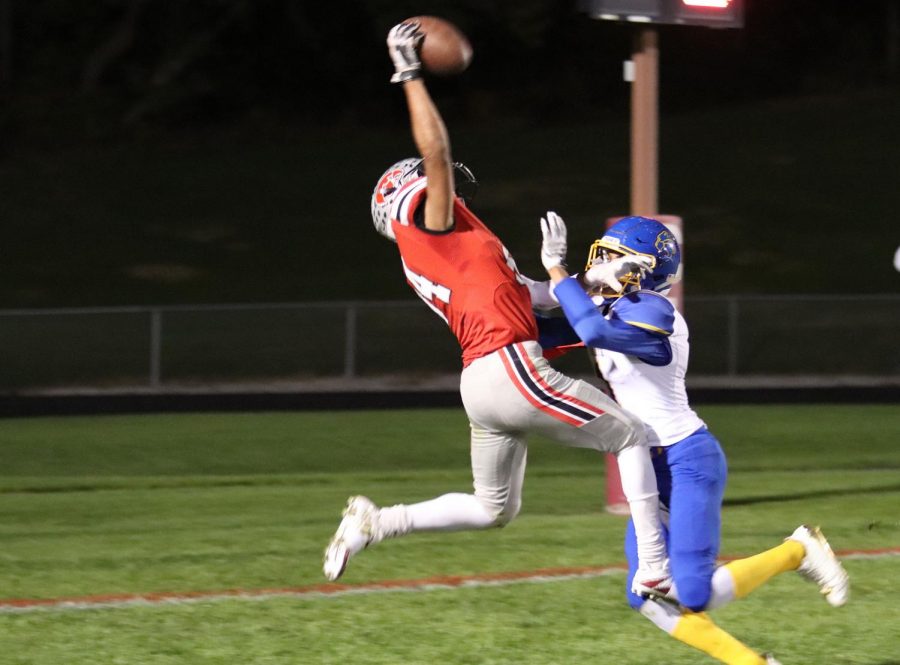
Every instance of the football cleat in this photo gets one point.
(357, 530)
(771, 660)
(821, 566)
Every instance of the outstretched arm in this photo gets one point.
(598, 332)
(431, 139)
(428, 129)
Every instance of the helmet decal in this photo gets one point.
(386, 186)
(390, 181)
(666, 245)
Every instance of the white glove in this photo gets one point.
(607, 275)
(403, 43)
(553, 248)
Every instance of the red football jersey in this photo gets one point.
(465, 275)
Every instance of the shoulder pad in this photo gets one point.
(645, 309)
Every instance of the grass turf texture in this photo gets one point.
(212, 502)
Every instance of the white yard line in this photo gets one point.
(22, 606)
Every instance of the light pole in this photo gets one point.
(642, 71)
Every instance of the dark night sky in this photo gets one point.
(158, 151)
(165, 63)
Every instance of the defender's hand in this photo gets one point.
(403, 42)
(553, 248)
(607, 275)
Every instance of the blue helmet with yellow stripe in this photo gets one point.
(641, 236)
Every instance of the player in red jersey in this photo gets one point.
(462, 271)
(483, 300)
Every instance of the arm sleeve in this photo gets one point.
(615, 334)
(541, 294)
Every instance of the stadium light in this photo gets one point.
(709, 13)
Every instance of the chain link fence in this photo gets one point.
(158, 347)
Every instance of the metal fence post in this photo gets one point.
(350, 342)
(155, 347)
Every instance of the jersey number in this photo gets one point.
(511, 262)
(427, 290)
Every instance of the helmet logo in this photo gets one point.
(666, 245)
(387, 185)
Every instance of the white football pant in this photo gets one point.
(509, 394)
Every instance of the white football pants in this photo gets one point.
(508, 394)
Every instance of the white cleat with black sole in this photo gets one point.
(357, 530)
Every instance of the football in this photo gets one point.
(445, 50)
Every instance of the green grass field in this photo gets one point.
(210, 502)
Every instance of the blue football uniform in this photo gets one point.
(641, 349)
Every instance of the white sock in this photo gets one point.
(722, 587)
(450, 512)
(664, 615)
(639, 487)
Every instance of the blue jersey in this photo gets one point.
(637, 324)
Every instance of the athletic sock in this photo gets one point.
(748, 574)
(451, 512)
(698, 630)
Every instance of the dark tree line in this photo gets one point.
(116, 64)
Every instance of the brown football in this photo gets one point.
(445, 50)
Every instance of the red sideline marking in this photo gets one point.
(20, 605)
(13, 605)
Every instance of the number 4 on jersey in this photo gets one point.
(427, 290)
(511, 262)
